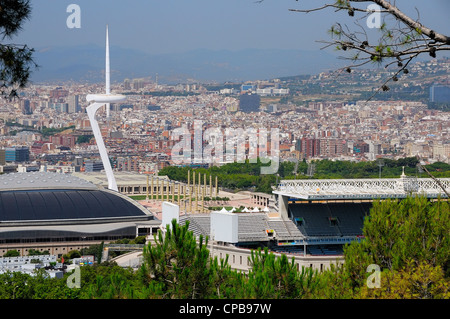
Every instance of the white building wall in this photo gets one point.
(239, 258)
(224, 227)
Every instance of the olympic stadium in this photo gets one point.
(310, 219)
(60, 212)
(314, 219)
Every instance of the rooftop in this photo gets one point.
(122, 178)
(42, 180)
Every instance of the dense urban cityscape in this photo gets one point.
(47, 127)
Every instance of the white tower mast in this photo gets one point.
(98, 100)
(107, 72)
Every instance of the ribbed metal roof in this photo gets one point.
(46, 196)
(42, 180)
(54, 205)
(375, 188)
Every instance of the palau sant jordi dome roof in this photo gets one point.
(46, 206)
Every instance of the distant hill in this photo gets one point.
(86, 63)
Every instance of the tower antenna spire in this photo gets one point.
(107, 72)
(97, 101)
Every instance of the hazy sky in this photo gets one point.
(161, 26)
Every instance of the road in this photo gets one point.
(132, 259)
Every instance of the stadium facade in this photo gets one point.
(314, 219)
(60, 212)
(311, 220)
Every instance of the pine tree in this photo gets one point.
(398, 232)
(278, 277)
(16, 61)
(177, 264)
(414, 281)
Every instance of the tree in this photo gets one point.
(113, 286)
(414, 281)
(226, 282)
(277, 277)
(334, 283)
(16, 61)
(12, 253)
(15, 285)
(84, 139)
(34, 252)
(398, 233)
(42, 286)
(402, 38)
(177, 265)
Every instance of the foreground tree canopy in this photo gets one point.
(16, 61)
(408, 240)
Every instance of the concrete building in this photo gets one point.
(309, 147)
(29, 264)
(236, 234)
(58, 93)
(17, 154)
(331, 147)
(261, 199)
(93, 166)
(2, 157)
(441, 152)
(25, 107)
(440, 94)
(249, 103)
(73, 104)
(129, 183)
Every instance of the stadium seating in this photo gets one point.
(315, 218)
(291, 250)
(284, 230)
(350, 218)
(252, 226)
(200, 225)
(329, 250)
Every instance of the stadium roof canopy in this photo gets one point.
(330, 189)
(54, 208)
(44, 197)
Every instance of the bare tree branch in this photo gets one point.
(415, 25)
(399, 43)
